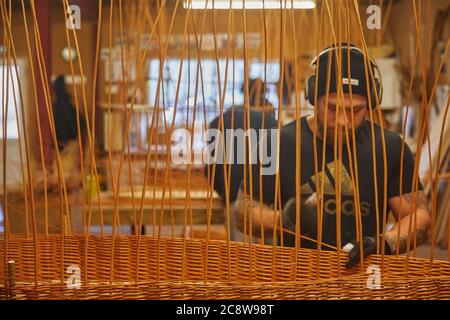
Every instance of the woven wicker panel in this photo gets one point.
(351, 288)
(152, 268)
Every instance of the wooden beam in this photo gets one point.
(43, 15)
(88, 8)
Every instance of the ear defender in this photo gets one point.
(309, 89)
(310, 82)
(378, 89)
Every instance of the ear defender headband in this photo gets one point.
(310, 82)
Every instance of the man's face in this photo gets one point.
(339, 115)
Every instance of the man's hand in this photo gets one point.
(266, 217)
(308, 216)
(259, 215)
(369, 245)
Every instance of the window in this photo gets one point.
(9, 88)
(10, 99)
(209, 89)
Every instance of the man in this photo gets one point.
(65, 115)
(340, 111)
(257, 94)
(235, 119)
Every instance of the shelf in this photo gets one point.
(137, 107)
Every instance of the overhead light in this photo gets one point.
(249, 4)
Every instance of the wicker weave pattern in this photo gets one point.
(250, 273)
(430, 288)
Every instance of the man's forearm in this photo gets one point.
(260, 215)
(400, 237)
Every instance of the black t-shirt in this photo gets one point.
(236, 121)
(368, 204)
(65, 117)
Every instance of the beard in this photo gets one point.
(330, 134)
(340, 138)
